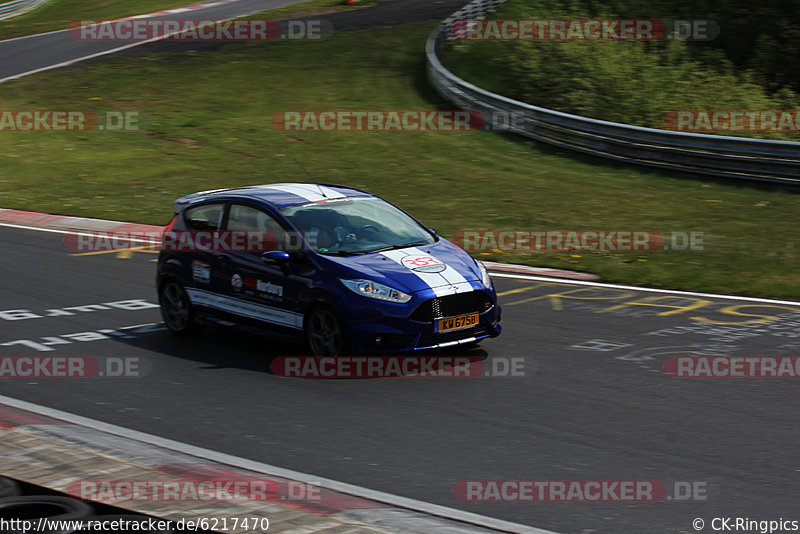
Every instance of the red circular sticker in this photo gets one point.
(412, 262)
(237, 282)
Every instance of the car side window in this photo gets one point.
(247, 218)
(205, 217)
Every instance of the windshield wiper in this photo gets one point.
(401, 245)
(339, 253)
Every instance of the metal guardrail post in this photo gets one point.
(18, 7)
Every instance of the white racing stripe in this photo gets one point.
(331, 193)
(453, 277)
(201, 297)
(310, 192)
(444, 283)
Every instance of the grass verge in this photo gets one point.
(209, 126)
(642, 83)
(311, 8)
(58, 14)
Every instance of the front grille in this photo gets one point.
(452, 305)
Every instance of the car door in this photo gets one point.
(205, 279)
(263, 292)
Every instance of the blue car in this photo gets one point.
(348, 271)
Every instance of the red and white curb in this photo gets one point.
(66, 224)
(44, 222)
(59, 450)
(31, 220)
(538, 271)
(176, 10)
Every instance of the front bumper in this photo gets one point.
(393, 329)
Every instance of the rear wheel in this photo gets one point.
(54, 508)
(176, 308)
(326, 335)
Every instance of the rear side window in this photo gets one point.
(205, 217)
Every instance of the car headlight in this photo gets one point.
(485, 280)
(374, 290)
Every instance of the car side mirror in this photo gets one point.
(280, 257)
(275, 256)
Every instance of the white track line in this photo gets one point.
(637, 288)
(91, 56)
(552, 279)
(143, 15)
(94, 233)
(243, 463)
(118, 49)
(33, 35)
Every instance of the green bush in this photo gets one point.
(622, 81)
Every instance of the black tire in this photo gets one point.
(9, 488)
(176, 308)
(33, 507)
(325, 333)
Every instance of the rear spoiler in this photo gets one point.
(181, 202)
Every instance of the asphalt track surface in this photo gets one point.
(22, 55)
(38, 52)
(594, 402)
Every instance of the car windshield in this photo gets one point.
(356, 226)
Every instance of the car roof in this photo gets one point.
(280, 195)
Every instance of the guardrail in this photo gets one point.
(715, 155)
(18, 7)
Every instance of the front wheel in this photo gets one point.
(176, 308)
(326, 335)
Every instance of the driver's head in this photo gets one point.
(319, 226)
(325, 239)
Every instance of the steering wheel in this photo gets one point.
(368, 229)
(343, 235)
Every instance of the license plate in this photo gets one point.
(457, 323)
